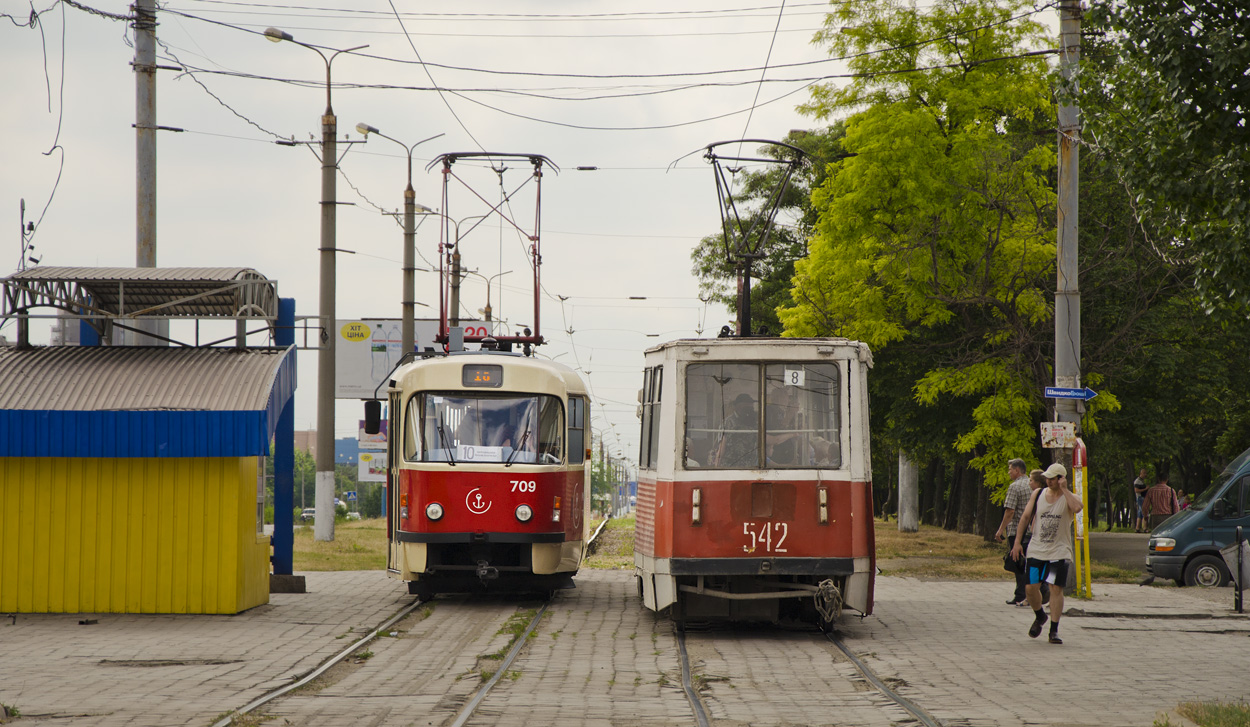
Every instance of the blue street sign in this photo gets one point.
(1059, 392)
(349, 495)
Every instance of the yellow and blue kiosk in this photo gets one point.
(132, 477)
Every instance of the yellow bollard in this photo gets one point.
(1080, 524)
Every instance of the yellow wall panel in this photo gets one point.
(175, 535)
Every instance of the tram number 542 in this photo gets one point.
(767, 537)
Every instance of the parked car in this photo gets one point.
(353, 516)
(308, 514)
(1186, 547)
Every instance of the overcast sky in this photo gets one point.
(229, 196)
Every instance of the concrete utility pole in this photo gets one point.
(411, 208)
(908, 494)
(145, 133)
(1068, 292)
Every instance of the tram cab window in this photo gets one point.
(577, 430)
(750, 415)
(455, 427)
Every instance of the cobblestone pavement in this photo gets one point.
(954, 648)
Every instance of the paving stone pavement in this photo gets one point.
(952, 647)
(1129, 655)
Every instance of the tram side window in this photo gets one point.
(797, 425)
(577, 430)
(657, 382)
(649, 399)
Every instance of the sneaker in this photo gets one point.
(1036, 629)
(1013, 602)
(1054, 639)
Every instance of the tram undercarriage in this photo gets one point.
(486, 567)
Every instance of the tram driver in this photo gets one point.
(739, 439)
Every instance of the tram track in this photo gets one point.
(464, 714)
(702, 713)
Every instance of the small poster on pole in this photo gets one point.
(1058, 435)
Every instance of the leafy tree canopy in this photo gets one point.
(1171, 76)
(943, 218)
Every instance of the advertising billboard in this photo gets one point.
(366, 351)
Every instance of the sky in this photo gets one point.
(634, 91)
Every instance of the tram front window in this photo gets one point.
(753, 416)
(483, 428)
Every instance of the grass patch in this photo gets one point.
(514, 627)
(615, 547)
(939, 554)
(357, 545)
(1216, 714)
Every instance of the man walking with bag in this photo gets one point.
(1013, 507)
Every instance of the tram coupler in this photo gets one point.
(486, 571)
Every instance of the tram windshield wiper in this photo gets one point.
(442, 435)
(520, 446)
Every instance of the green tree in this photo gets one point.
(1169, 78)
(937, 236)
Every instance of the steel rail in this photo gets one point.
(696, 704)
(270, 696)
(914, 709)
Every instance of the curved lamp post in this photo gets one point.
(407, 336)
(324, 528)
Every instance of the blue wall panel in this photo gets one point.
(25, 433)
(147, 433)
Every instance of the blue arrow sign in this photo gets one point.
(1059, 392)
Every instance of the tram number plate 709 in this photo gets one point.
(767, 537)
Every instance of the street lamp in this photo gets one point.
(324, 529)
(410, 209)
(486, 310)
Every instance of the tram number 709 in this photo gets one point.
(762, 536)
(524, 485)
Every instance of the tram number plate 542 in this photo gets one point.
(768, 537)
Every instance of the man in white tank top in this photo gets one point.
(1051, 510)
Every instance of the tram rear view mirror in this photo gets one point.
(373, 416)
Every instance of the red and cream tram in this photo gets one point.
(488, 485)
(754, 485)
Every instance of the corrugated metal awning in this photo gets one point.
(141, 401)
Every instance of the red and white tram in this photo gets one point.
(488, 485)
(754, 486)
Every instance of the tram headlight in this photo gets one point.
(524, 513)
(822, 496)
(696, 506)
(434, 511)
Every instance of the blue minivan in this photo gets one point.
(1186, 547)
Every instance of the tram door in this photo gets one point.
(394, 440)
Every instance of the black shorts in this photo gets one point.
(1047, 571)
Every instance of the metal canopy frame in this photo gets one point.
(103, 296)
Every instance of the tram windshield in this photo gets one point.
(795, 427)
(457, 427)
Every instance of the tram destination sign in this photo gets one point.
(1060, 392)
